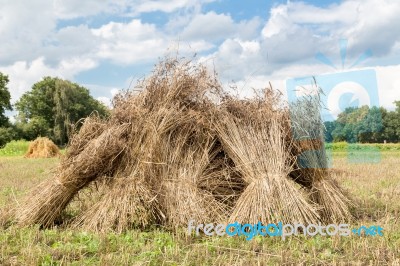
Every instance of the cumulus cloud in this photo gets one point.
(23, 74)
(130, 43)
(200, 27)
(76, 8)
(364, 23)
(167, 6)
(24, 27)
(388, 84)
(236, 59)
(216, 27)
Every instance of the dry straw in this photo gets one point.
(256, 143)
(178, 148)
(42, 147)
(50, 198)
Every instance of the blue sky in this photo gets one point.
(104, 45)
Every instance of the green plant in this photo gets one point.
(15, 148)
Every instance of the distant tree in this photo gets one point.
(344, 124)
(391, 124)
(5, 98)
(370, 127)
(361, 124)
(329, 127)
(53, 106)
(6, 135)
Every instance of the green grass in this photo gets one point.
(344, 146)
(15, 148)
(376, 187)
(157, 247)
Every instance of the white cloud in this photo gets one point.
(23, 75)
(105, 100)
(166, 6)
(75, 8)
(388, 84)
(365, 23)
(236, 59)
(107, 92)
(130, 43)
(24, 27)
(376, 27)
(200, 27)
(215, 27)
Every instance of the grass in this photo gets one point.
(15, 148)
(344, 146)
(377, 187)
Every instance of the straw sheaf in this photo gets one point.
(178, 147)
(42, 147)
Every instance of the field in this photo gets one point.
(375, 186)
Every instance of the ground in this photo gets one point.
(376, 186)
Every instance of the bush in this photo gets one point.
(14, 147)
(6, 135)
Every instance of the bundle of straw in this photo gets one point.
(50, 198)
(125, 203)
(257, 147)
(42, 147)
(185, 164)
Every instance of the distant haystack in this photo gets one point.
(42, 147)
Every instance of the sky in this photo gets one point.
(108, 45)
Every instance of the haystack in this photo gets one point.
(42, 147)
(178, 148)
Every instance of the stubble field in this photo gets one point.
(375, 186)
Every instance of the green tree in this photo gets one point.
(5, 98)
(361, 124)
(6, 135)
(53, 106)
(329, 127)
(391, 123)
(370, 127)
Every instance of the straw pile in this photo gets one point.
(179, 148)
(42, 147)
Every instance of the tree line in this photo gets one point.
(365, 125)
(51, 108)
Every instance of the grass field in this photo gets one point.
(375, 186)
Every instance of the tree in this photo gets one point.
(359, 124)
(5, 98)
(391, 123)
(329, 127)
(369, 129)
(53, 106)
